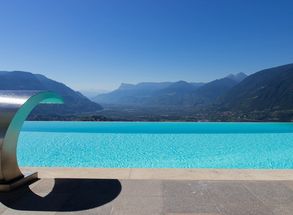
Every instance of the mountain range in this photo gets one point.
(269, 89)
(74, 102)
(266, 95)
(180, 93)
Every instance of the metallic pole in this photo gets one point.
(15, 106)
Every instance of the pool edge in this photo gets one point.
(162, 174)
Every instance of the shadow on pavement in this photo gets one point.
(66, 195)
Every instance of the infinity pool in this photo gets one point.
(156, 145)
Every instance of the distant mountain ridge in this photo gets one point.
(180, 93)
(269, 89)
(266, 95)
(131, 94)
(75, 102)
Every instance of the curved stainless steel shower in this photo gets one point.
(15, 106)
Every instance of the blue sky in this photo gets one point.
(95, 44)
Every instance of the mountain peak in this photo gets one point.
(181, 82)
(125, 86)
(74, 101)
(269, 89)
(237, 77)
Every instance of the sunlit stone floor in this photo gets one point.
(150, 197)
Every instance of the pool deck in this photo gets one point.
(153, 192)
(162, 174)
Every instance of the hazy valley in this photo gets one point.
(266, 95)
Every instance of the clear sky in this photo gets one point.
(97, 44)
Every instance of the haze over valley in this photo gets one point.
(266, 95)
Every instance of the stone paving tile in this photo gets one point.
(234, 199)
(276, 196)
(192, 214)
(283, 210)
(289, 184)
(187, 205)
(10, 211)
(187, 197)
(187, 189)
(236, 209)
(271, 193)
(141, 187)
(138, 205)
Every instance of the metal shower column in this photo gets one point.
(15, 106)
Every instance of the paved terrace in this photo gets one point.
(153, 191)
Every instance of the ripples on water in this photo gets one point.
(157, 145)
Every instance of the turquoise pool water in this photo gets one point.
(156, 145)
